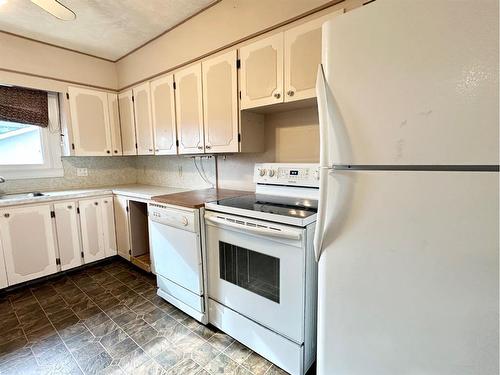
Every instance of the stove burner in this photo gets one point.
(277, 205)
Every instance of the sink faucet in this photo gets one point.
(2, 180)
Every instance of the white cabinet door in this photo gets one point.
(68, 234)
(92, 229)
(163, 113)
(261, 76)
(188, 101)
(114, 123)
(220, 103)
(302, 58)
(28, 242)
(122, 226)
(127, 123)
(108, 226)
(3, 273)
(143, 123)
(90, 122)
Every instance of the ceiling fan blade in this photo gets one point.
(56, 9)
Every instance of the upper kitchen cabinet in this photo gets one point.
(90, 122)
(282, 68)
(189, 112)
(114, 123)
(127, 123)
(302, 58)
(261, 76)
(163, 114)
(220, 103)
(143, 123)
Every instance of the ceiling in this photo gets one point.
(104, 28)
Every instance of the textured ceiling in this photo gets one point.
(104, 28)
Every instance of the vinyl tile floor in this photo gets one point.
(107, 319)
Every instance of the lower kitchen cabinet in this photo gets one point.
(97, 228)
(3, 272)
(122, 226)
(68, 234)
(28, 242)
(108, 226)
(132, 231)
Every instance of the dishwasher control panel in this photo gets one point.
(177, 218)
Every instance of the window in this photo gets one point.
(20, 144)
(30, 151)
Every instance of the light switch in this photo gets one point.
(82, 172)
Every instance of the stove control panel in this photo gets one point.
(287, 174)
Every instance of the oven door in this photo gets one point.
(257, 269)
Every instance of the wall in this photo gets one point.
(224, 23)
(32, 59)
(175, 171)
(285, 132)
(290, 137)
(102, 171)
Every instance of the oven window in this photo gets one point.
(256, 272)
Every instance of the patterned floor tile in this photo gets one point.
(220, 341)
(108, 319)
(123, 348)
(237, 352)
(256, 364)
(221, 365)
(185, 367)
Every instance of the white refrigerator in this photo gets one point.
(407, 237)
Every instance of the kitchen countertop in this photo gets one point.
(134, 191)
(198, 198)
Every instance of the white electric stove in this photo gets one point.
(261, 267)
(285, 193)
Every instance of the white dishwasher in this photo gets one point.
(176, 245)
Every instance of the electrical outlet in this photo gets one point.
(82, 172)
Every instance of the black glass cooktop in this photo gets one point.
(285, 206)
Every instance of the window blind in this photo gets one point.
(25, 106)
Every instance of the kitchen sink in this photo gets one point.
(31, 194)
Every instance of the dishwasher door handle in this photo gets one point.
(266, 231)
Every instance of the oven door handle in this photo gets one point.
(256, 230)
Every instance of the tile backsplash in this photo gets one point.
(175, 171)
(102, 171)
(284, 142)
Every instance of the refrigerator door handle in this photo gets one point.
(322, 209)
(322, 99)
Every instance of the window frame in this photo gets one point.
(51, 149)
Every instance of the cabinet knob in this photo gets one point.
(105, 201)
(150, 150)
(108, 152)
(200, 147)
(208, 147)
(157, 150)
(6, 215)
(96, 203)
(69, 207)
(277, 95)
(116, 151)
(290, 93)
